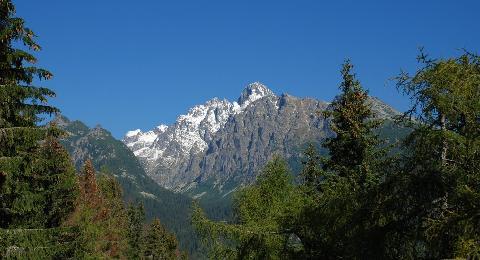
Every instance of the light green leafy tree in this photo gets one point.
(263, 228)
(436, 190)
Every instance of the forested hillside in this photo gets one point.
(112, 156)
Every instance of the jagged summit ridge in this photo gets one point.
(168, 146)
(227, 142)
(200, 113)
(252, 93)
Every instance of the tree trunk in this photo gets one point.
(444, 142)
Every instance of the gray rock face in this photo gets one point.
(274, 125)
(224, 142)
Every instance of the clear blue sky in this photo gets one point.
(134, 64)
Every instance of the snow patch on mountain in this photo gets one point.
(166, 146)
(147, 195)
(162, 128)
(197, 196)
(133, 133)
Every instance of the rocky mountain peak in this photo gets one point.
(169, 147)
(224, 141)
(253, 92)
(381, 109)
(161, 128)
(61, 120)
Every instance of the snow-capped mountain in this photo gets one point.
(222, 142)
(169, 146)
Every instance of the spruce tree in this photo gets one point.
(311, 171)
(159, 243)
(136, 219)
(57, 179)
(22, 105)
(37, 181)
(335, 224)
(353, 147)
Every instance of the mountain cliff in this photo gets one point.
(220, 145)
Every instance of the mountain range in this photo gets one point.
(219, 146)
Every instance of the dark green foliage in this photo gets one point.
(159, 243)
(136, 219)
(418, 201)
(423, 202)
(20, 110)
(51, 243)
(21, 102)
(332, 222)
(37, 188)
(43, 193)
(311, 170)
(354, 146)
(57, 179)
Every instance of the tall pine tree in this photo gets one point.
(37, 179)
(159, 243)
(354, 146)
(333, 225)
(136, 219)
(20, 110)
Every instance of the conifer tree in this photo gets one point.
(311, 171)
(159, 243)
(100, 216)
(136, 219)
(57, 178)
(21, 107)
(334, 225)
(36, 190)
(353, 147)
